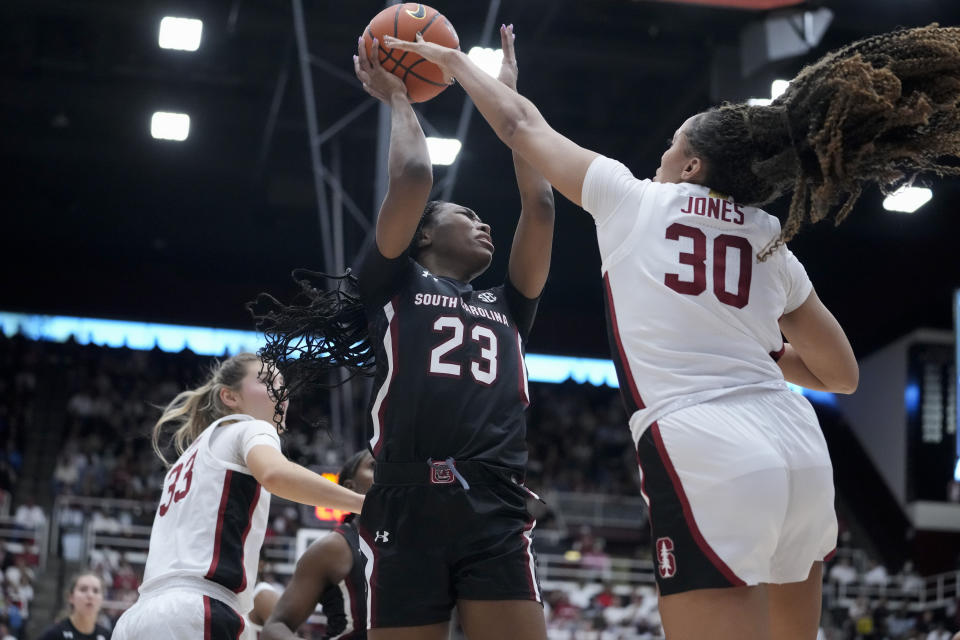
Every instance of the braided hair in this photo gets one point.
(881, 110)
(321, 338)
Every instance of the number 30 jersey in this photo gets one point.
(451, 379)
(212, 517)
(692, 313)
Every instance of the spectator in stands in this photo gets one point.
(877, 576)
(84, 600)
(939, 633)
(5, 633)
(910, 581)
(29, 515)
(862, 617)
(842, 572)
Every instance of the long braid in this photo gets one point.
(882, 110)
(307, 341)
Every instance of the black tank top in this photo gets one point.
(451, 379)
(345, 603)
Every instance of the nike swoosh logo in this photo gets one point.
(419, 14)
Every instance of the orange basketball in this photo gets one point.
(423, 79)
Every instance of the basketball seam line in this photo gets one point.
(408, 70)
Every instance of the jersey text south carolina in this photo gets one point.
(437, 300)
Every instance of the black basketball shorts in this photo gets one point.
(429, 544)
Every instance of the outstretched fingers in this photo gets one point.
(507, 38)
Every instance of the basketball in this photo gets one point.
(423, 79)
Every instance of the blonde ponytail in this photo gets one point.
(192, 411)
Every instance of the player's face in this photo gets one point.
(362, 478)
(457, 234)
(87, 596)
(254, 398)
(676, 161)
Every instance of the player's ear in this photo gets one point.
(425, 239)
(349, 484)
(229, 397)
(693, 171)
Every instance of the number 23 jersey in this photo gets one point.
(451, 379)
(692, 314)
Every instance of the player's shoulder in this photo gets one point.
(243, 422)
(331, 552)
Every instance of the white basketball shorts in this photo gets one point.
(740, 492)
(185, 615)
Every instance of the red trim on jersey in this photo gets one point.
(224, 499)
(688, 512)
(206, 618)
(243, 625)
(829, 556)
(243, 539)
(776, 355)
(392, 328)
(630, 383)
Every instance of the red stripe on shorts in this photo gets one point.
(688, 512)
(206, 617)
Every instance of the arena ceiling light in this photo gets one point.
(487, 59)
(170, 126)
(182, 34)
(443, 151)
(907, 199)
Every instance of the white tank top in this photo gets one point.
(692, 314)
(212, 516)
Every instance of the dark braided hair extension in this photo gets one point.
(307, 341)
(326, 331)
(881, 110)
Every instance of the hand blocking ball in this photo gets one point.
(422, 78)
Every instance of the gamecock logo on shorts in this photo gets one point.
(440, 473)
(667, 562)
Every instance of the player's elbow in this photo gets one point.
(414, 173)
(850, 381)
(845, 380)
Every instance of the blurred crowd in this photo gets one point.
(105, 401)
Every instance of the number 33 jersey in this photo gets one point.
(451, 379)
(212, 515)
(692, 313)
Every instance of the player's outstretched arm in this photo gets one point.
(533, 239)
(818, 356)
(409, 169)
(325, 562)
(515, 119)
(289, 480)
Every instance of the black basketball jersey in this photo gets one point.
(451, 379)
(345, 603)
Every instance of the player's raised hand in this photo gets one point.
(508, 68)
(435, 53)
(377, 81)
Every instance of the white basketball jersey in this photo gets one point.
(692, 314)
(211, 519)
